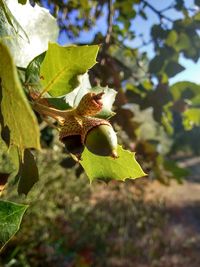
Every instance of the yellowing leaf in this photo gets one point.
(16, 111)
(62, 65)
(106, 168)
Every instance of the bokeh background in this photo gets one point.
(150, 55)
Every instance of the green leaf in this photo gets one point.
(177, 172)
(183, 43)
(16, 111)
(196, 101)
(23, 2)
(14, 157)
(32, 29)
(62, 65)
(10, 219)
(106, 168)
(5, 132)
(58, 103)
(28, 173)
(5, 13)
(84, 87)
(32, 75)
(184, 90)
(173, 68)
(197, 16)
(191, 118)
(158, 32)
(171, 38)
(156, 64)
(197, 2)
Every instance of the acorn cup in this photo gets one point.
(90, 104)
(73, 145)
(70, 136)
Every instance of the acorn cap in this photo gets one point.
(70, 136)
(90, 104)
(72, 126)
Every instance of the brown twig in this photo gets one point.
(109, 29)
(110, 22)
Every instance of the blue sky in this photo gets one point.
(192, 70)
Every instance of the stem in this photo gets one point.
(59, 115)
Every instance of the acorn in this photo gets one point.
(81, 129)
(100, 138)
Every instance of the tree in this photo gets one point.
(50, 80)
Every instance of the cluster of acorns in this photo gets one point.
(80, 128)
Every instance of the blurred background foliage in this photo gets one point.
(73, 223)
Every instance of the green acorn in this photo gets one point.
(100, 138)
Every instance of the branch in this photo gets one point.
(109, 29)
(157, 12)
(110, 22)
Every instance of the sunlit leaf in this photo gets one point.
(171, 38)
(62, 65)
(191, 118)
(37, 28)
(106, 168)
(184, 90)
(16, 111)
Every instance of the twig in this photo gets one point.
(109, 30)
(159, 13)
(110, 22)
(171, 6)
